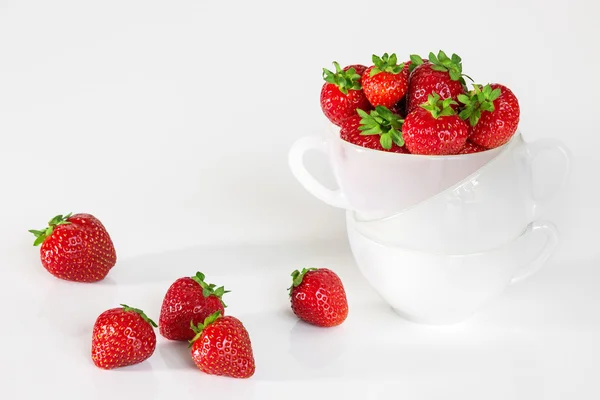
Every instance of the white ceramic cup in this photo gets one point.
(445, 289)
(487, 210)
(377, 183)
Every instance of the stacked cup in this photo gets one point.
(439, 237)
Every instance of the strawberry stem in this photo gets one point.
(478, 100)
(344, 80)
(438, 107)
(202, 325)
(386, 63)
(209, 289)
(126, 308)
(297, 277)
(381, 121)
(41, 235)
(441, 62)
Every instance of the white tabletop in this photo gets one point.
(538, 341)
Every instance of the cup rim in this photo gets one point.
(334, 131)
(351, 221)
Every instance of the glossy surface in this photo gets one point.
(538, 337)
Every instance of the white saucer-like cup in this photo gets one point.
(443, 289)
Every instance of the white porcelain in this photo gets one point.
(377, 183)
(444, 289)
(488, 209)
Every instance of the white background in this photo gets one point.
(171, 120)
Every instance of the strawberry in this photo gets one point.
(222, 346)
(385, 82)
(434, 128)
(189, 299)
(379, 130)
(493, 112)
(318, 297)
(76, 248)
(439, 74)
(122, 336)
(341, 94)
(471, 147)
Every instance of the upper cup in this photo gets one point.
(377, 184)
(488, 209)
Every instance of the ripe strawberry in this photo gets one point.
(222, 346)
(76, 248)
(434, 128)
(385, 82)
(379, 130)
(318, 297)
(471, 147)
(341, 94)
(189, 299)
(121, 337)
(439, 74)
(493, 113)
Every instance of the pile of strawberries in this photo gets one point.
(78, 248)
(420, 106)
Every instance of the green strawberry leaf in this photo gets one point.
(382, 121)
(41, 235)
(344, 80)
(297, 277)
(480, 99)
(438, 107)
(386, 141)
(209, 289)
(386, 63)
(126, 308)
(416, 59)
(198, 329)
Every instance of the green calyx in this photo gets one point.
(478, 100)
(210, 289)
(344, 80)
(297, 277)
(441, 62)
(386, 63)
(41, 235)
(201, 326)
(438, 107)
(126, 308)
(383, 122)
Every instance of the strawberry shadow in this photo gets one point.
(219, 260)
(176, 355)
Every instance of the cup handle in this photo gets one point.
(296, 162)
(549, 229)
(537, 147)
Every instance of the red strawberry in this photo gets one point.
(318, 297)
(493, 113)
(434, 128)
(342, 94)
(189, 299)
(471, 148)
(222, 346)
(440, 74)
(379, 130)
(76, 248)
(121, 337)
(385, 82)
